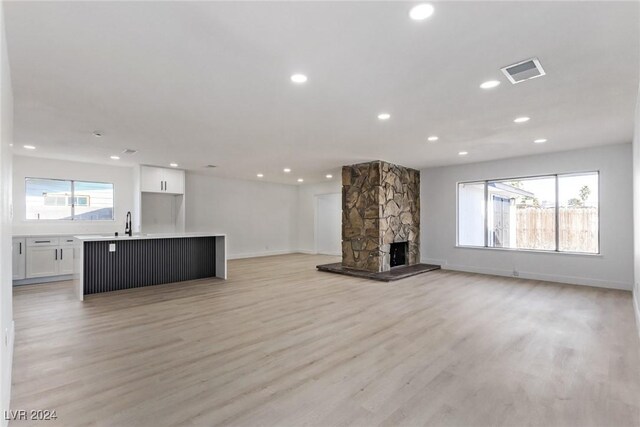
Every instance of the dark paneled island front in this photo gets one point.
(108, 263)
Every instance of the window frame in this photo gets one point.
(71, 197)
(557, 250)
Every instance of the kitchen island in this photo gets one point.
(110, 263)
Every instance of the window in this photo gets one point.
(522, 213)
(549, 213)
(53, 199)
(93, 201)
(578, 216)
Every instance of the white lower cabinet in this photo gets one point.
(42, 262)
(19, 258)
(43, 256)
(66, 260)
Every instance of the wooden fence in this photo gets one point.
(535, 229)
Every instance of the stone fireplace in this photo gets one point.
(380, 216)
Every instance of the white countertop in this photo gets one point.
(43, 235)
(98, 237)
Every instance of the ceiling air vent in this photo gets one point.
(129, 151)
(525, 70)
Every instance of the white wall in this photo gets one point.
(306, 211)
(329, 224)
(636, 212)
(6, 309)
(159, 213)
(612, 269)
(259, 218)
(121, 177)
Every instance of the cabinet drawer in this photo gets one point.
(66, 241)
(42, 241)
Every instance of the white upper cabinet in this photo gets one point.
(151, 179)
(161, 180)
(173, 181)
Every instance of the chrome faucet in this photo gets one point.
(127, 227)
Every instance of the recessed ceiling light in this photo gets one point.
(521, 120)
(329, 176)
(462, 153)
(259, 175)
(173, 165)
(29, 147)
(115, 158)
(298, 78)
(421, 11)
(286, 170)
(540, 141)
(300, 180)
(97, 133)
(490, 84)
(432, 138)
(384, 116)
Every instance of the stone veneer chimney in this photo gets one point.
(380, 206)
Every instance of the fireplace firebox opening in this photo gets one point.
(398, 254)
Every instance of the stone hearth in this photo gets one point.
(380, 206)
(385, 276)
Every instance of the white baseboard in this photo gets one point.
(43, 280)
(271, 253)
(260, 254)
(637, 310)
(572, 280)
(6, 374)
(433, 261)
(307, 251)
(310, 252)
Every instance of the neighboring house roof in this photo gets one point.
(95, 214)
(510, 189)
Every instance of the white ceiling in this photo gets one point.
(208, 83)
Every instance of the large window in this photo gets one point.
(548, 213)
(51, 199)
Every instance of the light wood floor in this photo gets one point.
(280, 344)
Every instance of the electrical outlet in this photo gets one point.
(516, 273)
(112, 247)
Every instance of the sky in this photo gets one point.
(36, 187)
